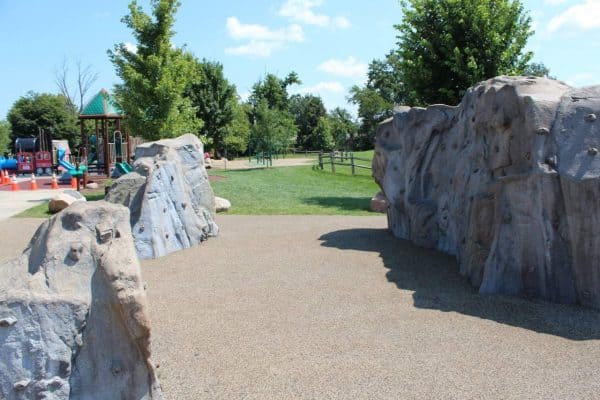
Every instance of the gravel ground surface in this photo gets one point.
(314, 307)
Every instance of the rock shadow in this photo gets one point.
(437, 284)
(340, 203)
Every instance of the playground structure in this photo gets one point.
(32, 155)
(109, 146)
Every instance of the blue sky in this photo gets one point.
(328, 42)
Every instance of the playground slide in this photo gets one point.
(71, 169)
(124, 168)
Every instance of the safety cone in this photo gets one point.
(32, 183)
(54, 182)
(2, 179)
(14, 186)
(73, 182)
(5, 178)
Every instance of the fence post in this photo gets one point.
(352, 163)
(321, 160)
(332, 158)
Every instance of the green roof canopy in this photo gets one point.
(102, 105)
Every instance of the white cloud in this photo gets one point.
(302, 11)
(262, 40)
(320, 87)
(582, 16)
(348, 68)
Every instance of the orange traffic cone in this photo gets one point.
(54, 183)
(73, 182)
(14, 186)
(6, 178)
(32, 183)
(2, 179)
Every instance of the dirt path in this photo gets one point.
(317, 307)
(243, 163)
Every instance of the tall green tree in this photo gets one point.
(214, 99)
(308, 110)
(343, 128)
(50, 112)
(273, 129)
(237, 132)
(273, 91)
(444, 47)
(5, 137)
(155, 75)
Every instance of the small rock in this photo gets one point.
(592, 151)
(222, 204)
(379, 203)
(64, 200)
(92, 185)
(590, 117)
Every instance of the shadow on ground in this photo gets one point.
(342, 203)
(437, 284)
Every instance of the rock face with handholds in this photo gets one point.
(169, 196)
(73, 313)
(64, 200)
(507, 181)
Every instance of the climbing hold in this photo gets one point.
(6, 322)
(592, 151)
(21, 384)
(542, 131)
(590, 117)
(75, 251)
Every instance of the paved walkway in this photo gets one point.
(331, 307)
(12, 203)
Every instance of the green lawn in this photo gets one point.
(295, 190)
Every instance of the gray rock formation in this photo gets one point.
(169, 196)
(508, 181)
(73, 318)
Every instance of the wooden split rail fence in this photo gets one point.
(343, 159)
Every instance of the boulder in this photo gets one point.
(507, 181)
(379, 203)
(63, 200)
(169, 196)
(73, 314)
(92, 185)
(222, 204)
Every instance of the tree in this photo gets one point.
(321, 137)
(538, 69)
(445, 47)
(214, 99)
(273, 130)
(273, 91)
(84, 80)
(343, 128)
(4, 137)
(308, 110)
(155, 75)
(53, 113)
(237, 132)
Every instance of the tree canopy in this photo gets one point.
(214, 99)
(53, 113)
(4, 137)
(308, 111)
(154, 75)
(343, 128)
(444, 47)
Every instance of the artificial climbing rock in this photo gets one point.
(169, 196)
(73, 314)
(507, 181)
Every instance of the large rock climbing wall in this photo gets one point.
(508, 181)
(73, 314)
(170, 198)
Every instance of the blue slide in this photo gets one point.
(67, 165)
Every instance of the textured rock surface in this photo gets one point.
(169, 196)
(73, 319)
(64, 200)
(507, 181)
(378, 203)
